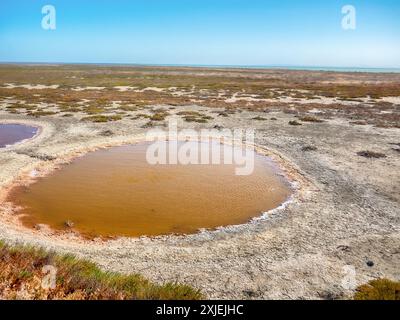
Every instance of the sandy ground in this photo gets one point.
(345, 213)
(30, 86)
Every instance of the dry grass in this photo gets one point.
(21, 277)
(381, 289)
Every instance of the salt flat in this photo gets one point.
(346, 211)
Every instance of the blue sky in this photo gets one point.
(209, 32)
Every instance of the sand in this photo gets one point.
(30, 86)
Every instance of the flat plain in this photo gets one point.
(336, 136)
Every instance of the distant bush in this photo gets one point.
(38, 114)
(359, 122)
(311, 119)
(159, 116)
(294, 123)
(371, 154)
(194, 116)
(102, 118)
(309, 148)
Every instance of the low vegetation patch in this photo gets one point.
(189, 113)
(371, 154)
(106, 133)
(359, 122)
(159, 116)
(311, 119)
(102, 118)
(223, 114)
(141, 116)
(351, 99)
(93, 110)
(194, 116)
(381, 289)
(309, 148)
(294, 123)
(38, 114)
(19, 106)
(22, 270)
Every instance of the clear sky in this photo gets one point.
(209, 32)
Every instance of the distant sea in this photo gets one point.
(300, 68)
(332, 69)
(282, 67)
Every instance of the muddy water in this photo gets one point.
(115, 192)
(13, 133)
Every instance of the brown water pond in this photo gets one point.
(13, 133)
(116, 192)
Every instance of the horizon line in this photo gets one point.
(228, 66)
